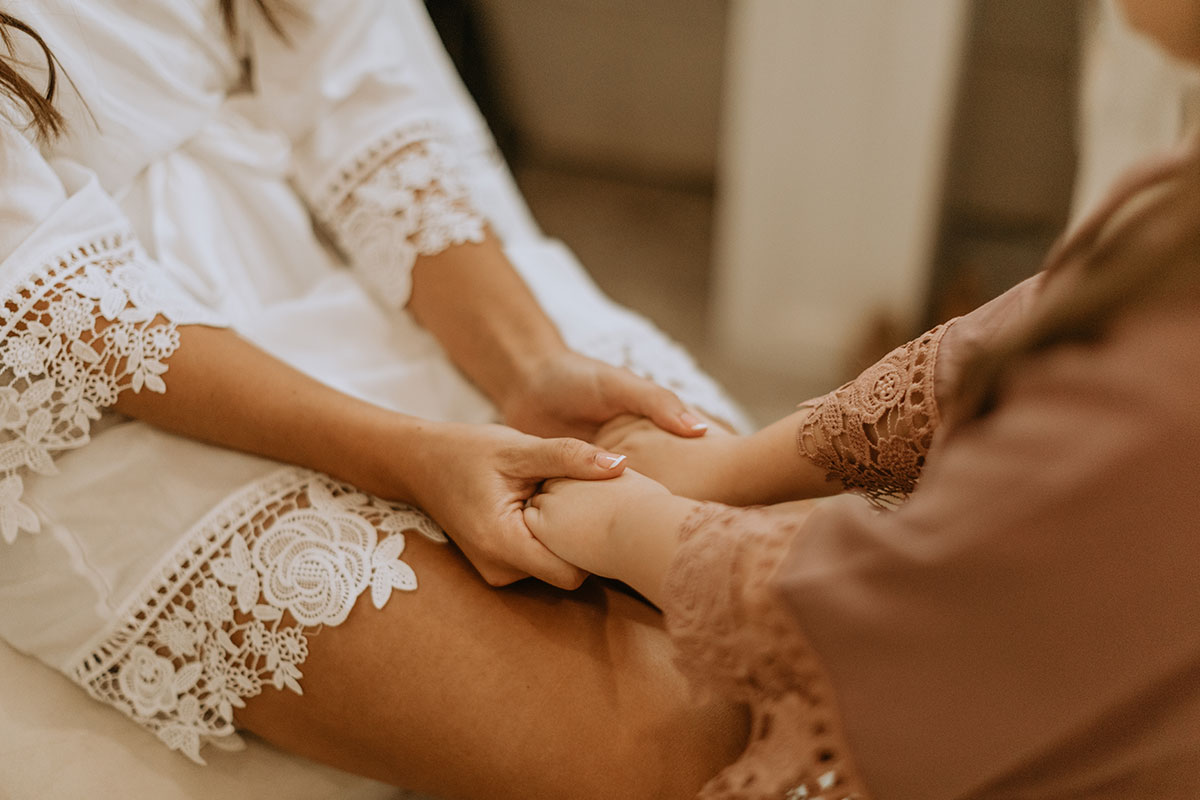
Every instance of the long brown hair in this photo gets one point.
(273, 11)
(45, 119)
(1142, 246)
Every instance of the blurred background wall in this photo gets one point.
(792, 187)
(835, 125)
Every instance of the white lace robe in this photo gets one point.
(153, 570)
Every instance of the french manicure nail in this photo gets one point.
(692, 421)
(608, 460)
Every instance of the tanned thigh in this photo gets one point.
(465, 691)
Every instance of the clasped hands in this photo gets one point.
(571, 417)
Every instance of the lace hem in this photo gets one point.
(874, 432)
(74, 334)
(649, 354)
(735, 637)
(229, 610)
(399, 199)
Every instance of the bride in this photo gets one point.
(216, 436)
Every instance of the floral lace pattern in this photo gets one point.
(874, 432)
(734, 636)
(401, 199)
(229, 610)
(74, 334)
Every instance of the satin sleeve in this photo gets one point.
(374, 152)
(86, 316)
(1021, 627)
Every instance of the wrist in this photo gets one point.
(731, 474)
(391, 459)
(768, 467)
(526, 371)
(480, 310)
(643, 538)
(752, 472)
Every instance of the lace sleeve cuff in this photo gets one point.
(400, 198)
(873, 433)
(78, 331)
(734, 636)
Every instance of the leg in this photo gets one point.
(466, 691)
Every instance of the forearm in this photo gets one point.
(479, 308)
(223, 390)
(643, 542)
(767, 467)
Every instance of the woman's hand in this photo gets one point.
(474, 481)
(702, 469)
(585, 522)
(568, 394)
(493, 329)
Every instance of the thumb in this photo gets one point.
(661, 406)
(569, 458)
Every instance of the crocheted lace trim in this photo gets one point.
(735, 637)
(874, 432)
(230, 609)
(75, 333)
(401, 198)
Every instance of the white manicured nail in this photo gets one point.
(609, 461)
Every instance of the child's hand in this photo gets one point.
(702, 469)
(576, 520)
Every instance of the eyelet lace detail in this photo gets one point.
(874, 432)
(401, 198)
(229, 611)
(734, 636)
(646, 352)
(74, 334)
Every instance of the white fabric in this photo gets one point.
(134, 552)
(55, 742)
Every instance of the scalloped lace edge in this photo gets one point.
(76, 332)
(229, 609)
(735, 637)
(874, 432)
(399, 198)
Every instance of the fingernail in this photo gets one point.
(692, 421)
(608, 460)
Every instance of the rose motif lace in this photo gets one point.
(874, 432)
(401, 198)
(230, 609)
(77, 332)
(734, 636)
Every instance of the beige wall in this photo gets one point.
(835, 135)
(1135, 101)
(628, 86)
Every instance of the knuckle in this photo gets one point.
(666, 397)
(570, 449)
(510, 454)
